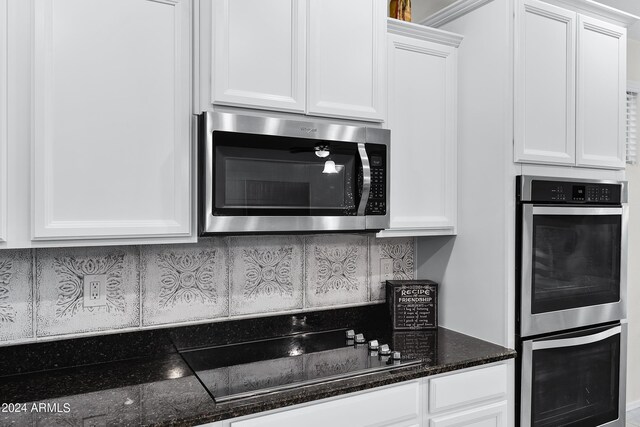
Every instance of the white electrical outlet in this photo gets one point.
(95, 290)
(386, 269)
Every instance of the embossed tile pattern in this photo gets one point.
(266, 274)
(60, 277)
(215, 279)
(16, 301)
(401, 253)
(184, 282)
(336, 270)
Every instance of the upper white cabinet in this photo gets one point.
(347, 58)
(601, 94)
(422, 82)
(111, 119)
(318, 57)
(569, 88)
(259, 53)
(3, 119)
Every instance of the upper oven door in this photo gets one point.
(573, 267)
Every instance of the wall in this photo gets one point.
(420, 9)
(41, 291)
(633, 282)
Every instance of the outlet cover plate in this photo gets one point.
(95, 290)
(386, 269)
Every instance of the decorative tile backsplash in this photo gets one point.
(42, 291)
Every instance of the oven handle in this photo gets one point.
(552, 210)
(576, 341)
(366, 178)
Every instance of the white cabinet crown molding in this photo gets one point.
(452, 12)
(421, 32)
(597, 10)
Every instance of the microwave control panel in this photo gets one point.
(574, 192)
(377, 203)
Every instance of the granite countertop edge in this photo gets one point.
(332, 388)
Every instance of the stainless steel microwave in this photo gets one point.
(264, 174)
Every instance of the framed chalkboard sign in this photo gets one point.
(413, 304)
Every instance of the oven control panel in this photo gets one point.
(575, 192)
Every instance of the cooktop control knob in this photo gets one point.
(350, 334)
(384, 350)
(373, 345)
(360, 339)
(396, 355)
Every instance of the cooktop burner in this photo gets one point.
(249, 369)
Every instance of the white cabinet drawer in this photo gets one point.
(397, 406)
(494, 415)
(466, 388)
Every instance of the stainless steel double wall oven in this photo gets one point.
(267, 174)
(571, 274)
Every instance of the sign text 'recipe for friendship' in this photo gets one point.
(413, 304)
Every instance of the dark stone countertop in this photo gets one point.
(139, 378)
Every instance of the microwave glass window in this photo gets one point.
(576, 386)
(264, 175)
(576, 261)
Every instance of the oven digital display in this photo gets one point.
(578, 192)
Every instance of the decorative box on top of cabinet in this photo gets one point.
(315, 57)
(109, 117)
(570, 84)
(422, 111)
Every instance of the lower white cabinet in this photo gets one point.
(422, 118)
(475, 397)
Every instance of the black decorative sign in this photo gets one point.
(413, 304)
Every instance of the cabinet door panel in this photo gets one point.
(545, 85)
(347, 58)
(494, 415)
(601, 94)
(4, 112)
(422, 111)
(258, 57)
(111, 141)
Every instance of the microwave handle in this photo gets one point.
(366, 178)
(575, 341)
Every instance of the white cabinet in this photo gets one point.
(318, 57)
(601, 94)
(4, 135)
(422, 81)
(259, 54)
(347, 58)
(111, 119)
(494, 415)
(569, 88)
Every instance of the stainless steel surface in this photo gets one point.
(217, 121)
(350, 334)
(360, 339)
(529, 346)
(572, 342)
(384, 350)
(373, 345)
(525, 185)
(297, 385)
(535, 324)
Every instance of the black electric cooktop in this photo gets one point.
(258, 367)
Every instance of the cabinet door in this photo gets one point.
(4, 112)
(545, 84)
(601, 94)
(258, 57)
(422, 119)
(347, 54)
(111, 124)
(494, 415)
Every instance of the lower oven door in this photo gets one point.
(575, 379)
(573, 267)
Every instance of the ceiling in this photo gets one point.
(629, 6)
